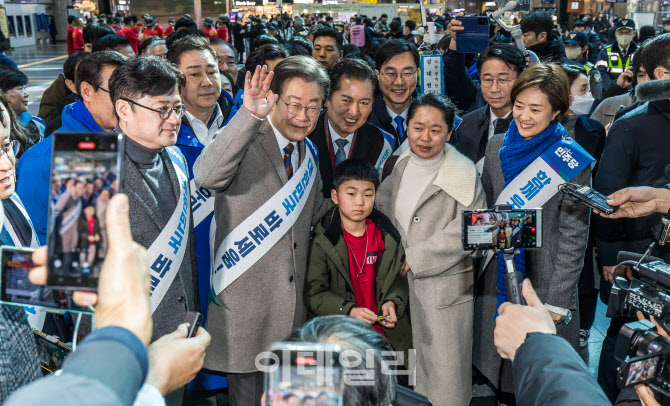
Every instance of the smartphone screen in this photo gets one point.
(488, 229)
(305, 377)
(16, 289)
(85, 167)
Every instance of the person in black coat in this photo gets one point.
(342, 131)
(547, 370)
(396, 65)
(498, 67)
(634, 155)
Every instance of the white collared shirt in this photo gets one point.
(203, 133)
(335, 136)
(282, 142)
(492, 127)
(394, 115)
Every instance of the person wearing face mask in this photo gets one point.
(577, 50)
(666, 26)
(424, 195)
(540, 98)
(634, 154)
(615, 58)
(590, 134)
(621, 96)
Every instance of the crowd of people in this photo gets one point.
(289, 179)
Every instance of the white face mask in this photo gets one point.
(624, 40)
(581, 105)
(573, 53)
(438, 37)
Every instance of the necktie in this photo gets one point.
(287, 160)
(340, 155)
(401, 130)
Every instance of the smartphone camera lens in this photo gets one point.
(483, 21)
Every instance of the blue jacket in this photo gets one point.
(32, 171)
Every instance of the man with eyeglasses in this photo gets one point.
(396, 65)
(93, 112)
(268, 195)
(498, 67)
(227, 58)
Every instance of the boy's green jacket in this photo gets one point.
(328, 288)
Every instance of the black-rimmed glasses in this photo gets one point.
(164, 112)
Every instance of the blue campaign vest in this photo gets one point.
(191, 148)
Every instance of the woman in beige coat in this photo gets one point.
(424, 196)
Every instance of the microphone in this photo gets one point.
(508, 7)
(653, 90)
(634, 256)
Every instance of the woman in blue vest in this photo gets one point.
(516, 173)
(13, 84)
(18, 352)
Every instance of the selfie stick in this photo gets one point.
(513, 278)
(515, 30)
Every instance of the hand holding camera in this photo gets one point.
(514, 322)
(123, 291)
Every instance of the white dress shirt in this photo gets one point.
(203, 133)
(282, 142)
(335, 136)
(492, 126)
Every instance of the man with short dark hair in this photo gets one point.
(537, 28)
(227, 56)
(204, 118)
(632, 156)
(93, 112)
(327, 47)
(396, 65)
(342, 131)
(113, 42)
(498, 67)
(132, 35)
(382, 25)
(145, 93)
(93, 32)
(69, 36)
(268, 195)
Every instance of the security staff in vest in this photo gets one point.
(145, 94)
(576, 49)
(615, 58)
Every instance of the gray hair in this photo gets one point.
(353, 335)
(303, 67)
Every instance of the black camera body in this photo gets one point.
(644, 356)
(647, 293)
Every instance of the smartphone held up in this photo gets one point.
(81, 164)
(86, 170)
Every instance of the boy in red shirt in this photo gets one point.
(356, 256)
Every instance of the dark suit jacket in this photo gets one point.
(182, 295)
(367, 145)
(634, 155)
(472, 136)
(380, 117)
